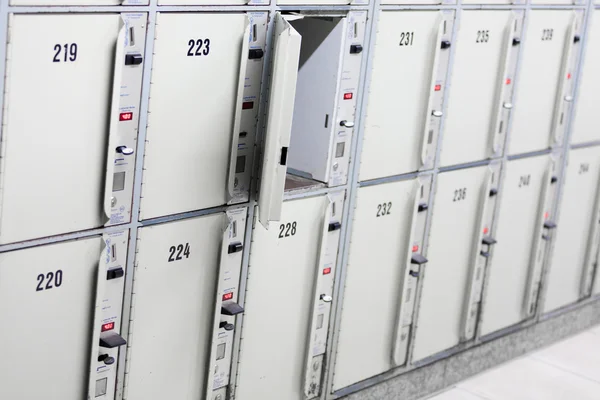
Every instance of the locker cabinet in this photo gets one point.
(386, 253)
(545, 88)
(211, 2)
(459, 245)
(184, 307)
(61, 307)
(288, 301)
(77, 2)
(314, 83)
(70, 131)
(406, 91)
(322, 2)
(204, 100)
(575, 251)
(584, 125)
(481, 88)
(525, 223)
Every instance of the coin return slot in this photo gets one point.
(430, 137)
(118, 181)
(221, 351)
(240, 164)
(254, 33)
(320, 319)
(234, 229)
(339, 149)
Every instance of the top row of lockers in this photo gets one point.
(280, 2)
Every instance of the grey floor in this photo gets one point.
(567, 370)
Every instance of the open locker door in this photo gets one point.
(575, 248)
(279, 120)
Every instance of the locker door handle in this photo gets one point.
(114, 119)
(537, 257)
(501, 103)
(126, 151)
(404, 314)
(237, 119)
(432, 82)
(559, 117)
(475, 282)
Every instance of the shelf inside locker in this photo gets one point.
(298, 183)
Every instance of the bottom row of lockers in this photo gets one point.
(404, 301)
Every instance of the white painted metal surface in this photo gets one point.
(175, 292)
(286, 53)
(62, 136)
(195, 121)
(484, 66)
(453, 234)
(575, 249)
(77, 2)
(407, 81)
(548, 39)
(279, 322)
(379, 286)
(525, 204)
(37, 285)
(586, 112)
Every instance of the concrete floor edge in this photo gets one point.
(442, 374)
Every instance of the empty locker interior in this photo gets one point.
(291, 199)
(524, 226)
(575, 253)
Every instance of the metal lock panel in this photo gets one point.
(183, 271)
(201, 129)
(455, 231)
(82, 131)
(586, 112)
(513, 279)
(481, 85)
(545, 89)
(74, 297)
(575, 251)
(290, 284)
(385, 257)
(329, 69)
(406, 92)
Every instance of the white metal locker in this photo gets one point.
(211, 2)
(524, 222)
(77, 2)
(586, 112)
(458, 248)
(72, 293)
(203, 107)
(408, 75)
(321, 2)
(288, 301)
(558, 2)
(493, 2)
(480, 98)
(545, 88)
(69, 133)
(313, 118)
(184, 306)
(575, 248)
(381, 279)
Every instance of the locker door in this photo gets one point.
(457, 230)
(77, 2)
(198, 128)
(71, 292)
(381, 279)
(70, 131)
(558, 2)
(288, 301)
(584, 125)
(286, 55)
(480, 99)
(524, 222)
(409, 70)
(493, 2)
(545, 84)
(178, 285)
(576, 244)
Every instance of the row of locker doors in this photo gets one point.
(64, 305)
(482, 270)
(205, 96)
(188, 302)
